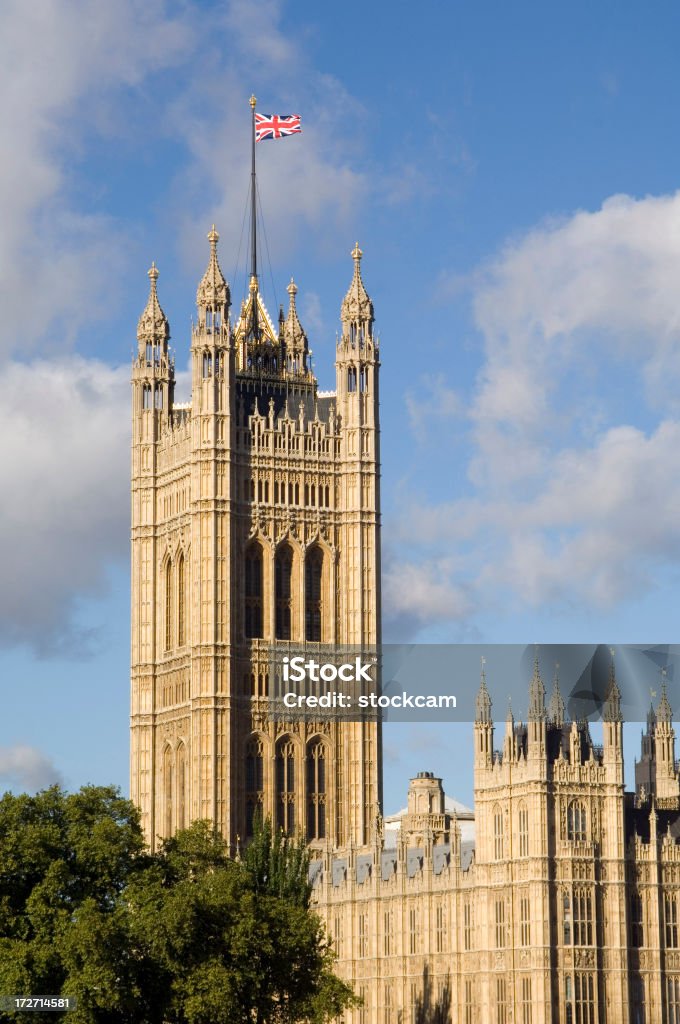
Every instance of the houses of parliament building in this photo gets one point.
(256, 522)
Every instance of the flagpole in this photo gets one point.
(253, 219)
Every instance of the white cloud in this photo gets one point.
(574, 428)
(58, 61)
(26, 768)
(420, 594)
(65, 509)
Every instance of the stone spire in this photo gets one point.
(483, 702)
(612, 705)
(213, 290)
(556, 708)
(293, 331)
(536, 694)
(357, 308)
(664, 712)
(153, 327)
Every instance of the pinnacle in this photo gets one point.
(153, 324)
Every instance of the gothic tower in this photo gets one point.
(255, 521)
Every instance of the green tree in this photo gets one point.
(185, 936)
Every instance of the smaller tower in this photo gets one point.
(537, 717)
(667, 786)
(483, 726)
(613, 726)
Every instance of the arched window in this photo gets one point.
(313, 600)
(168, 765)
(283, 586)
(168, 605)
(523, 816)
(497, 832)
(207, 365)
(254, 782)
(159, 396)
(576, 821)
(351, 379)
(285, 785)
(253, 602)
(146, 396)
(181, 637)
(181, 785)
(316, 790)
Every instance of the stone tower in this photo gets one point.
(255, 520)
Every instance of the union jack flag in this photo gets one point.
(275, 126)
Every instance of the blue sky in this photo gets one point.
(511, 173)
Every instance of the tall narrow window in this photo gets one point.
(523, 817)
(146, 396)
(576, 821)
(671, 916)
(388, 933)
(469, 1002)
(526, 1000)
(168, 767)
(637, 938)
(501, 1001)
(180, 602)
(316, 790)
(583, 917)
(413, 930)
(181, 786)
(566, 918)
(313, 600)
(351, 379)
(168, 605)
(584, 999)
(253, 602)
(500, 924)
(254, 782)
(673, 991)
(497, 833)
(284, 590)
(285, 785)
(363, 936)
(440, 929)
(524, 921)
(467, 925)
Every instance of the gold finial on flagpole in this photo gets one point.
(253, 102)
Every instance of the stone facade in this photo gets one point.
(255, 518)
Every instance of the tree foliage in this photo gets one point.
(184, 936)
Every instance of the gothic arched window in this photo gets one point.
(283, 573)
(313, 594)
(576, 821)
(316, 790)
(285, 785)
(168, 605)
(181, 785)
(207, 365)
(254, 782)
(523, 816)
(351, 379)
(253, 602)
(497, 832)
(181, 608)
(168, 766)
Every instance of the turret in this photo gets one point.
(211, 337)
(357, 352)
(483, 726)
(613, 723)
(295, 347)
(153, 370)
(667, 785)
(537, 716)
